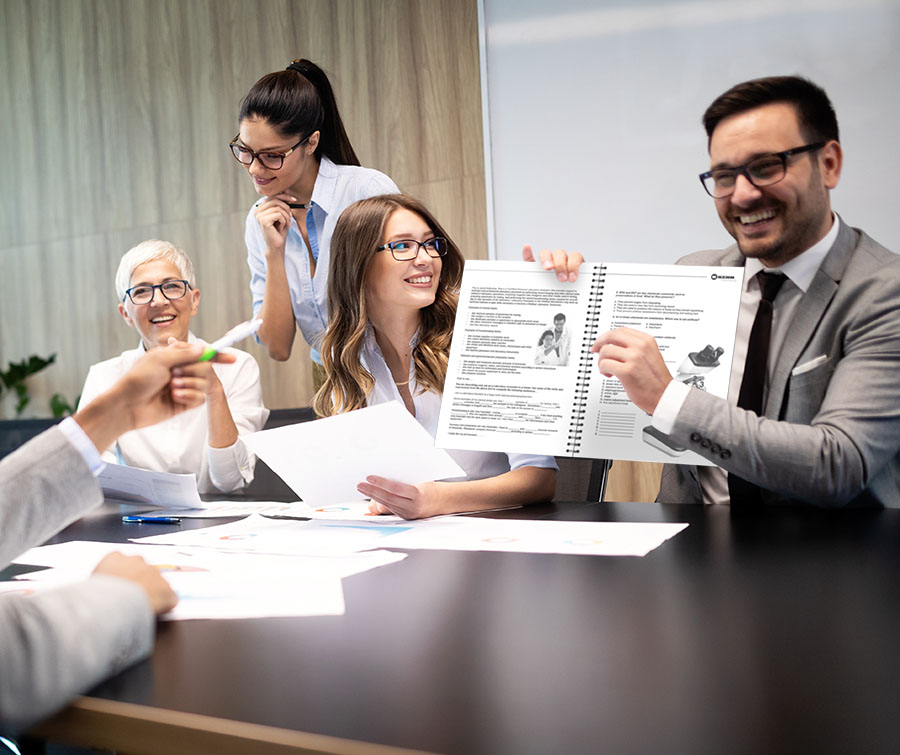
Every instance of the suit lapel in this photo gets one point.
(809, 314)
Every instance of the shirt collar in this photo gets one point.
(802, 269)
(325, 185)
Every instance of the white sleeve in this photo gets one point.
(532, 460)
(94, 385)
(232, 468)
(78, 438)
(256, 260)
(669, 405)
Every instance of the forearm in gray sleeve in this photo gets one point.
(60, 643)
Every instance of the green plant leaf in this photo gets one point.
(60, 406)
(18, 371)
(24, 398)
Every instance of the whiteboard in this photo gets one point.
(592, 111)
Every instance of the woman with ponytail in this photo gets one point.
(295, 149)
(392, 295)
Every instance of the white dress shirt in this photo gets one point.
(179, 444)
(478, 465)
(800, 272)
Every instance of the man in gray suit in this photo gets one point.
(61, 642)
(828, 429)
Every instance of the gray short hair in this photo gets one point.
(147, 251)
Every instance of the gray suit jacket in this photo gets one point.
(61, 642)
(830, 435)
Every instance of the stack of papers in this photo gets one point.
(322, 537)
(214, 584)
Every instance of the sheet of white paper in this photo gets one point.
(212, 584)
(257, 534)
(352, 511)
(77, 559)
(222, 509)
(356, 511)
(217, 595)
(144, 487)
(537, 536)
(205, 596)
(345, 510)
(323, 461)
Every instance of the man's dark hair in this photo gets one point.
(815, 114)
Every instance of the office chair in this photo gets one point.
(582, 479)
(17, 432)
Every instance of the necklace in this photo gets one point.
(400, 385)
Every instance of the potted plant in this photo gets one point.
(14, 393)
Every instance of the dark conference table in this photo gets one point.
(770, 632)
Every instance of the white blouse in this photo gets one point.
(478, 465)
(179, 444)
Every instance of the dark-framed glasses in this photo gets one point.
(143, 293)
(760, 171)
(404, 250)
(268, 159)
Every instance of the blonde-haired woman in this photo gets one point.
(157, 296)
(392, 308)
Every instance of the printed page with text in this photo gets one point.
(521, 377)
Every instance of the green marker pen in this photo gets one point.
(237, 333)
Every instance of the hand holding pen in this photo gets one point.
(163, 383)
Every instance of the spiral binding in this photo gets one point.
(586, 361)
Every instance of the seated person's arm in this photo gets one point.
(54, 645)
(517, 487)
(240, 411)
(94, 385)
(58, 643)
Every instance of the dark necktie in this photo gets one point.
(755, 368)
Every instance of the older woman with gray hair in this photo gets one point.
(157, 296)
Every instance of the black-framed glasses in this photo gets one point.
(144, 293)
(268, 159)
(760, 171)
(405, 250)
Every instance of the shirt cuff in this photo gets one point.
(79, 438)
(669, 405)
(230, 468)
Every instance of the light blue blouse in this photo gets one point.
(336, 188)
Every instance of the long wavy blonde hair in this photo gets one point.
(357, 236)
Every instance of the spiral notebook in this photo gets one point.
(521, 377)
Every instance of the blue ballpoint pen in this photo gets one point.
(151, 520)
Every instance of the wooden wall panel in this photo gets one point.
(115, 117)
(633, 481)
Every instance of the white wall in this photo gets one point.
(594, 110)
